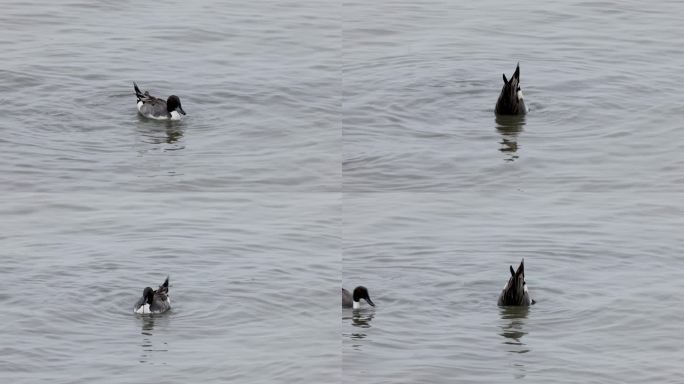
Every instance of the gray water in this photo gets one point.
(606, 273)
(259, 82)
(441, 196)
(74, 265)
(602, 81)
(351, 143)
(98, 203)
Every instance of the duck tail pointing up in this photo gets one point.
(166, 283)
(137, 91)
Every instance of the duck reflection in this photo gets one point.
(173, 135)
(509, 127)
(147, 343)
(513, 321)
(160, 132)
(147, 325)
(360, 320)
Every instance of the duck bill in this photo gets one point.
(179, 109)
(369, 301)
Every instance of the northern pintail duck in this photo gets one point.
(515, 291)
(154, 301)
(352, 300)
(158, 109)
(511, 98)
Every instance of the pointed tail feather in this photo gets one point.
(164, 287)
(138, 94)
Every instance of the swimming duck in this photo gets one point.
(352, 301)
(515, 291)
(154, 301)
(511, 98)
(158, 109)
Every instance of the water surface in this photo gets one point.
(602, 82)
(74, 265)
(259, 82)
(606, 275)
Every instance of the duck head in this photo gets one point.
(148, 295)
(173, 104)
(361, 292)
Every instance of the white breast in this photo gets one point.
(144, 309)
(175, 115)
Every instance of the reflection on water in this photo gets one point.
(173, 135)
(147, 325)
(361, 320)
(509, 127)
(160, 132)
(513, 327)
(147, 342)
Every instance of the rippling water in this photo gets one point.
(441, 196)
(260, 84)
(602, 81)
(606, 275)
(355, 140)
(73, 266)
(98, 203)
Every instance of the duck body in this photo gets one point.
(154, 301)
(158, 109)
(510, 100)
(515, 292)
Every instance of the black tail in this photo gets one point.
(166, 283)
(138, 94)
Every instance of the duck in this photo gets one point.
(154, 301)
(510, 100)
(515, 292)
(158, 109)
(350, 300)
